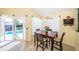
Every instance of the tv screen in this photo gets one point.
(69, 21)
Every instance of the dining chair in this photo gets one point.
(41, 42)
(37, 31)
(58, 42)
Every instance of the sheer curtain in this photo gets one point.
(36, 24)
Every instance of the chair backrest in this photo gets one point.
(50, 30)
(62, 36)
(37, 30)
(40, 37)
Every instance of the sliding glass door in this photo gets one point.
(11, 28)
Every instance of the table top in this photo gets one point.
(49, 35)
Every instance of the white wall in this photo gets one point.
(70, 36)
(77, 41)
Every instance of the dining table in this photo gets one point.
(51, 35)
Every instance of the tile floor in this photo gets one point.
(29, 46)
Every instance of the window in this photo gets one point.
(53, 23)
(36, 24)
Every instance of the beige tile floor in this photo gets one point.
(29, 46)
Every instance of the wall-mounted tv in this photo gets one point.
(69, 21)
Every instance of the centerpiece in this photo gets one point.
(46, 30)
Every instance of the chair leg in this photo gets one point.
(49, 41)
(37, 45)
(43, 47)
(52, 44)
(34, 42)
(46, 43)
(61, 47)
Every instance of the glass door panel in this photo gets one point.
(8, 28)
(19, 28)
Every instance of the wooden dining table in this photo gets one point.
(52, 35)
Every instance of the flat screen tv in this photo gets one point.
(69, 21)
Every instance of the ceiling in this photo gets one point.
(48, 11)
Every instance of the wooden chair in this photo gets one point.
(35, 36)
(41, 42)
(58, 42)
